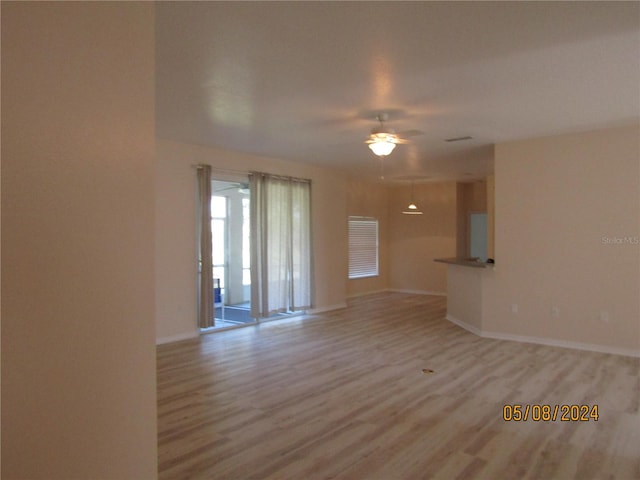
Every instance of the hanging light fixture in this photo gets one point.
(381, 144)
(383, 140)
(412, 208)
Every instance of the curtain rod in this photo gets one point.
(221, 170)
(244, 172)
(282, 177)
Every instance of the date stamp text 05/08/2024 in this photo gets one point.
(549, 413)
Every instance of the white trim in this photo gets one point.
(177, 338)
(551, 342)
(418, 292)
(328, 308)
(471, 328)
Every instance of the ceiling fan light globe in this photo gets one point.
(382, 147)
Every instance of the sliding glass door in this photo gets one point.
(282, 250)
(230, 232)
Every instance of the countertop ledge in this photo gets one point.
(464, 262)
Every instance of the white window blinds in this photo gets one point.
(363, 247)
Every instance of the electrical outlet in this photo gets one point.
(604, 316)
(555, 311)
(514, 308)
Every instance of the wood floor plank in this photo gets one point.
(343, 395)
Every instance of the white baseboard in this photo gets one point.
(418, 292)
(551, 342)
(177, 338)
(328, 308)
(471, 328)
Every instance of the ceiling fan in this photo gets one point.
(240, 187)
(383, 140)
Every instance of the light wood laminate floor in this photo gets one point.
(343, 395)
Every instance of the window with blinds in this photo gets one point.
(363, 247)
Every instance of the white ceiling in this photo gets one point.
(303, 81)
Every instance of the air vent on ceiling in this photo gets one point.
(458, 139)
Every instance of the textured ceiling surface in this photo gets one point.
(304, 81)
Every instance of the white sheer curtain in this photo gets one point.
(280, 244)
(203, 232)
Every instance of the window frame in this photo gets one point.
(364, 247)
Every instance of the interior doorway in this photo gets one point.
(478, 236)
(230, 238)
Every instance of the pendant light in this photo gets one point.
(412, 208)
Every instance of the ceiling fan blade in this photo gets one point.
(231, 186)
(410, 133)
(392, 137)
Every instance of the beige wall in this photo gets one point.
(368, 199)
(408, 243)
(175, 230)
(78, 350)
(560, 204)
(416, 240)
